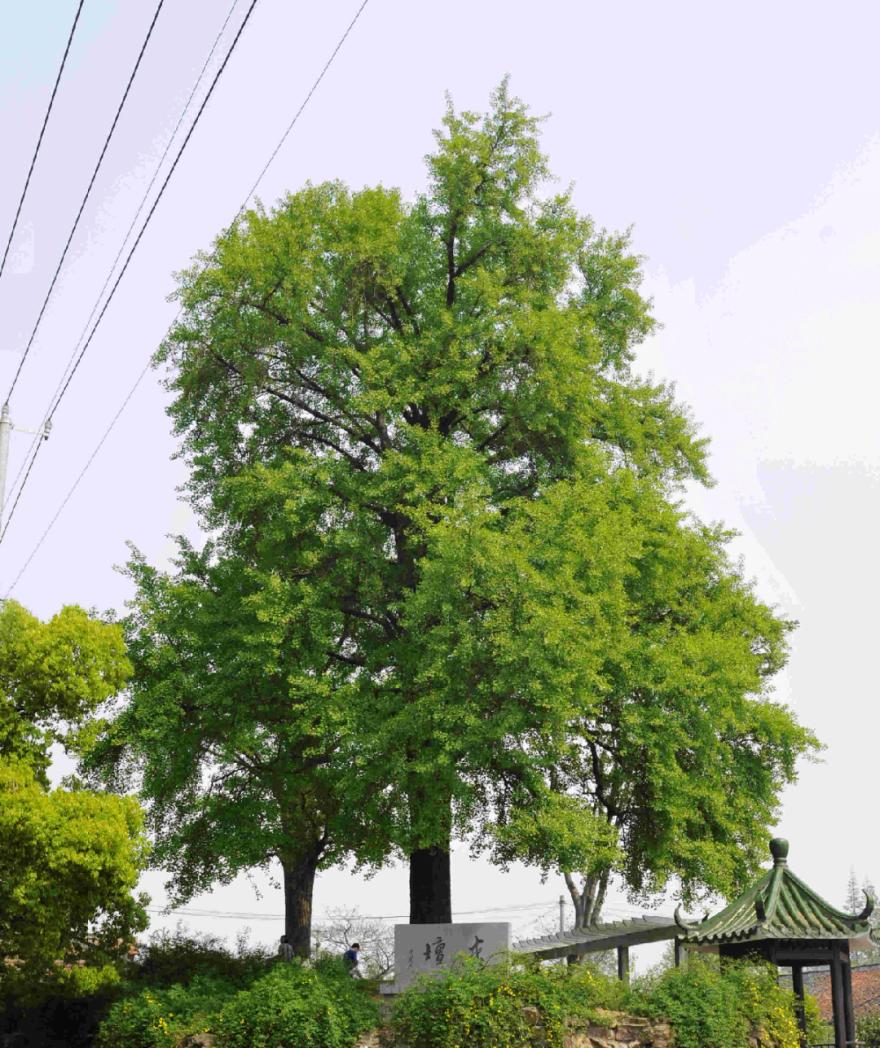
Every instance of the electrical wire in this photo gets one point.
(152, 210)
(128, 259)
(143, 373)
(85, 199)
(244, 915)
(27, 462)
(144, 199)
(27, 180)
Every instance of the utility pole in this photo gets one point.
(6, 428)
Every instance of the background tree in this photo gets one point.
(71, 857)
(343, 926)
(441, 393)
(854, 900)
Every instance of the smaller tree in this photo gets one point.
(71, 861)
(854, 900)
(70, 858)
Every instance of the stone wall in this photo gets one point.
(616, 1031)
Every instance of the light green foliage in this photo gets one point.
(448, 499)
(238, 726)
(685, 752)
(710, 1004)
(868, 1030)
(71, 860)
(189, 985)
(52, 675)
(483, 1006)
(298, 1007)
(177, 987)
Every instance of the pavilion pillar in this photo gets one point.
(797, 984)
(846, 973)
(838, 1002)
(623, 963)
(677, 953)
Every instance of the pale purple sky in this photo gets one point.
(741, 144)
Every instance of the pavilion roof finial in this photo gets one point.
(779, 851)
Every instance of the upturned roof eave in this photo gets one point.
(762, 912)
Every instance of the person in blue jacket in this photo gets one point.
(352, 960)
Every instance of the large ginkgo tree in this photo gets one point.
(431, 472)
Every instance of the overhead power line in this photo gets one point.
(24, 471)
(257, 916)
(152, 210)
(146, 368)
(27, 180)
(85, 199)
(54, 407)
(146, 195)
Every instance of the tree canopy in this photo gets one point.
(53, 675)
(238, 729)
(416, 432)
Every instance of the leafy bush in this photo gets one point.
(711, 1004)
(868, 1030)
(177, 957)
(298, 1007)
(708, 1005)
(486, 1006)
(163, 1018)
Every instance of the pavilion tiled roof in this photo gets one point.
(778, 906)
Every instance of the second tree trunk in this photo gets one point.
(299, 884)
(430, 886)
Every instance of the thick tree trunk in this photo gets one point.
(430, 886)
(299, 884)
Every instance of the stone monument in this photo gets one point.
(430, 948)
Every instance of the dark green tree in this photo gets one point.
(421, 419)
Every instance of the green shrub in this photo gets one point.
(293, 1006)
(488, 1006)
(163, 1018)
(172, 958)
(711, 1004)
(868, 1030)
(521, 1004)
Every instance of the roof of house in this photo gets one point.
(865, 990)
(778, 906)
